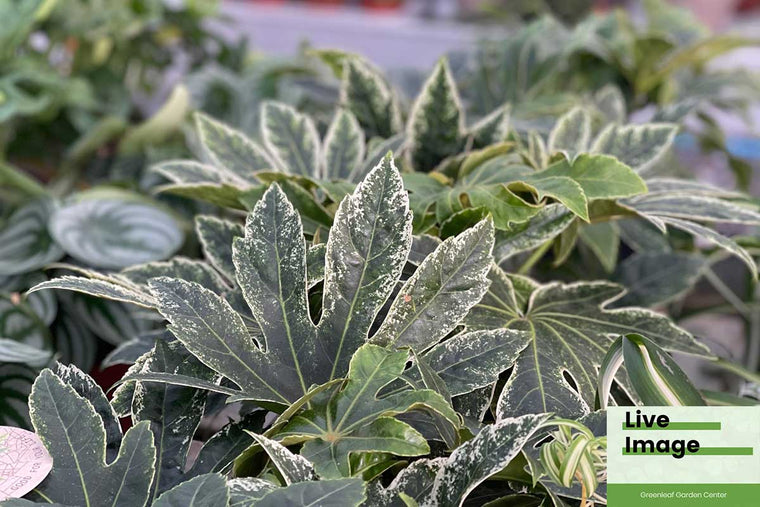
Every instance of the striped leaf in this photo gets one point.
(654, 375)
(436, 122)
(25, 243)
(115, 233)
(344, 146)
(15, 385)
(292, 139)
(562, 320)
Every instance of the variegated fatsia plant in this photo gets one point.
(437, 325)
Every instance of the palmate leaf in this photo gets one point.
(25, 243)
(436, 122)
(208, 490)
(657, 277)
(115, 233)
(366, 251)
(563, 320)
(446, 482)
(73, 434)
(356, 419)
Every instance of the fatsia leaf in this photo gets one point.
(470, 361)
(73, 434)
(657, 277)
(446, 482)
(442, 290)
(355, 419)
(208, 490)
(292, 139)
(344, 146)
(544, 226)
(603, 239)
(231, 150)
(174, 412)
(25, 243)
(246, 491)
(491, 129)
(571, 134)
(380, 150)
(115, 233)
(600, 176)
(328, 493)
(436, 122)
(561, 320)
(365, 93)
(367, 249)
(638, 146)
(216, 236)
(292, 467)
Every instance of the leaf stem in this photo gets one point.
(535, 257)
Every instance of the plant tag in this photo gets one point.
(24, 462)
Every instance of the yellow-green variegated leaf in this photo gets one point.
(73, 434)
(25, 243)
(638, 146)
(291, 138)
(600, 176)
(343, 146)
(563, 320)
(436, 122)
(356, 420)
(368, 96)
(115, 233)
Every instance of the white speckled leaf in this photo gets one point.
(115, 233)
(570, 331)
(436, 122)
(367, 249)
(544, 226)
(25, 243)
(473, 360)
(344, 146)
(208, 490)
(477, 459)
(73, 433)
(292, 139)
(216, 236)
(231, 150)
(365, 93)
(491, 129)
(445, 286)
(294, 468)
(571, 133)
(638, 146)
(329, 493)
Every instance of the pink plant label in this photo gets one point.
(24, 462)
